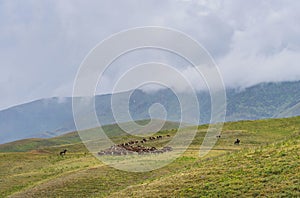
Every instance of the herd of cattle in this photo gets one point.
(135, 146)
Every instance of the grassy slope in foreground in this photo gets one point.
(272, 171)
(261, 167)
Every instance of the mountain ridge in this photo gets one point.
(53, 116)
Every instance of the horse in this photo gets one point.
(62, 153)
(237, 141)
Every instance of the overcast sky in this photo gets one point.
(42, 43)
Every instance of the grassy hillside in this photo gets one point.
(266, 163)
(272, 171)
(70, 139)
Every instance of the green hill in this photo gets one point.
(71, 139)
(270, 171)
(266, 163)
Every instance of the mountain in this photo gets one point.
(53, 116)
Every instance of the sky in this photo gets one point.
(42, 43)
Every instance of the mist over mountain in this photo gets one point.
(53, 116)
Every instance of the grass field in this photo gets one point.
(266, 163)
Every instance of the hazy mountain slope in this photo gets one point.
(265, 100)
(53, 116)
(36, 118)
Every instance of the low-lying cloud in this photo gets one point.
(44, 42)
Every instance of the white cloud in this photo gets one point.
(265, 45)
(43, 42)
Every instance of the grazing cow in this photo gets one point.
(62, 153)
(237, 141)
(153, 149)
(168, 135)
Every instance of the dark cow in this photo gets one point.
(131, 142)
